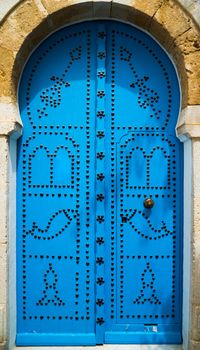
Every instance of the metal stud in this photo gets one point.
(100, 321)
(100, 302)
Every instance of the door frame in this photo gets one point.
(47, 19)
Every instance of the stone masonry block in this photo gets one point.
(196, 250)
(10, 38)
(131, 15)
(2, 323)
(194, 345)
(3, 161)
(196, 278)
(185, 51)
(171, 19)
(196, 322)
(4, 216)
(147, 7)
(56, 5)
(4, 346)
(196, 171)
(189, 41)
(9, 112)
(3, 273)
(20, 23)
(6, 64)
(193, 69)
(27, 16)
(69, 14)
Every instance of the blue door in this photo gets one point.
(99, 191)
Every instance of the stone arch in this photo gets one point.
(30, 21)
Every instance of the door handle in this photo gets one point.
(148, 203)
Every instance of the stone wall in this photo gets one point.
(174, 24)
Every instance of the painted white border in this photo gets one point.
(12, 295)
(187, 234)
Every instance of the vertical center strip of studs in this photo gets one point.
(88, 144)
(113, 177)
(100, 183)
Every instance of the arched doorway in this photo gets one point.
(99, 190)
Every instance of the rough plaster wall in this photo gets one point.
(192, 6)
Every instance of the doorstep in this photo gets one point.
(105, 347)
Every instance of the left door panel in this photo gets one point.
(55, 193)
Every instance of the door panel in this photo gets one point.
(56, 181)
(147, 235)
(143, 279)
(99, 103)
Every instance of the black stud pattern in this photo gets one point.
(100, 155)
(146, 96)
(100, 240)
(124, 219)
(100, 302)
(48, 233)
(43, 151)
(50, 283)
(100, 184)
(101, 55)
(88, 179)
(52, 96)
(125, 55)
(147, 287)
(43, 146)
(100, 219)
(101, 74)
(148, 158)
(100, 114)
(134, 216)
(100, 261)
(131, 191)
(100, 197)
(100, 93)
(100, 281)
(117, 151)
(113, 187)
(100, 321)
(100, 134)
(101, 35)
(100, 177)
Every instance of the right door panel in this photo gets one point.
(144, 162)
